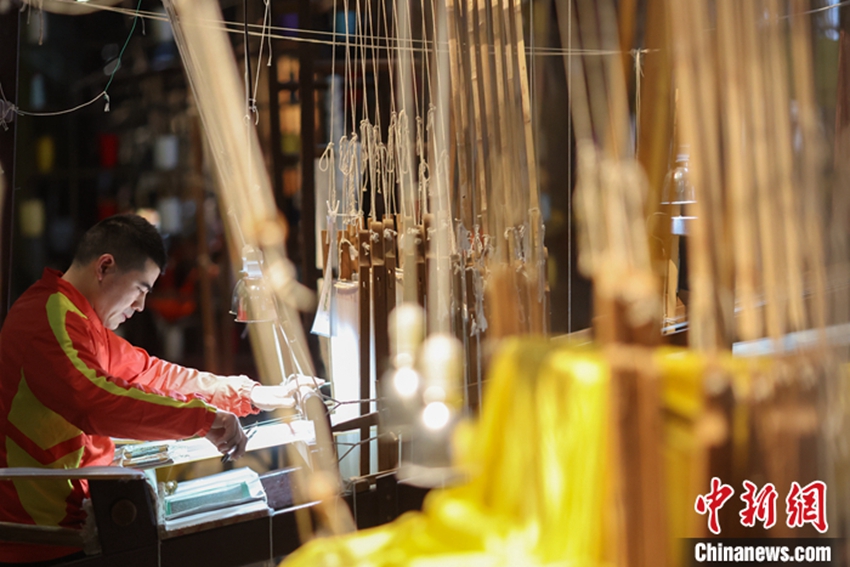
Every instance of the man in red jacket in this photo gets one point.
(68, 384)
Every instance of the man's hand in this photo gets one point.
(268, 398)
(227, 435)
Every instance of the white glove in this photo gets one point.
(268, 398)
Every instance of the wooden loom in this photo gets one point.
(396, 257)
(438, 242)
(468, 218)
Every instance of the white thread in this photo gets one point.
(288, 34)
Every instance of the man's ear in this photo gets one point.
(104, 264)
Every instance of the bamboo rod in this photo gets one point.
(655, 148)
(782, 160)
(811, 158)
(459, 107)
(576, 83)
(525, 102)
(704, 329)
(481, 173)
(407, 196)
(585, 21)
(774, 302)
(618, 106)
(734, 63)
(497, 145)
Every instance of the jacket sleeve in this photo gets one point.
(66, 375)
(230, 393)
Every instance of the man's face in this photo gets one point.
(121, 293)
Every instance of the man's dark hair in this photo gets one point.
(129, 238)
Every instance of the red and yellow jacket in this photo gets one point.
(67, 385)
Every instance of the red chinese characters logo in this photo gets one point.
(712, 502)
(803, 505)
(760, 506)
(807, 505)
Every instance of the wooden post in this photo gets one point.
(473, 389)
(365, 263)
(387, 448)
(390, 260)
(421, 268)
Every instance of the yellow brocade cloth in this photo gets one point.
(540, 488)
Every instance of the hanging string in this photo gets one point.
(816, 10)
(379, 153)
(413, 63)
(402, 143)
(250, 91)
(390, 155)
(438, 46)
(103, 94)
(121, 53)
(360, 46)
(375, 74)
(348, 68)
(366, 132)
(422, 177)
(390, 51)
(426, 66)
(327, 160)
(304, 35)
(20, 112)
(366, 160)
(347, 168)
(263, 35)
(417, 114)
(400, 116)
(422, 142)
(267, 29)
(412, 68)
(389, 165)
(250, 103)
(428, 160)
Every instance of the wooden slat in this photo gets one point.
(421, 268)
(390, 260)
(364, 260)
(387, 447)
(29, 473)
(41, 535)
